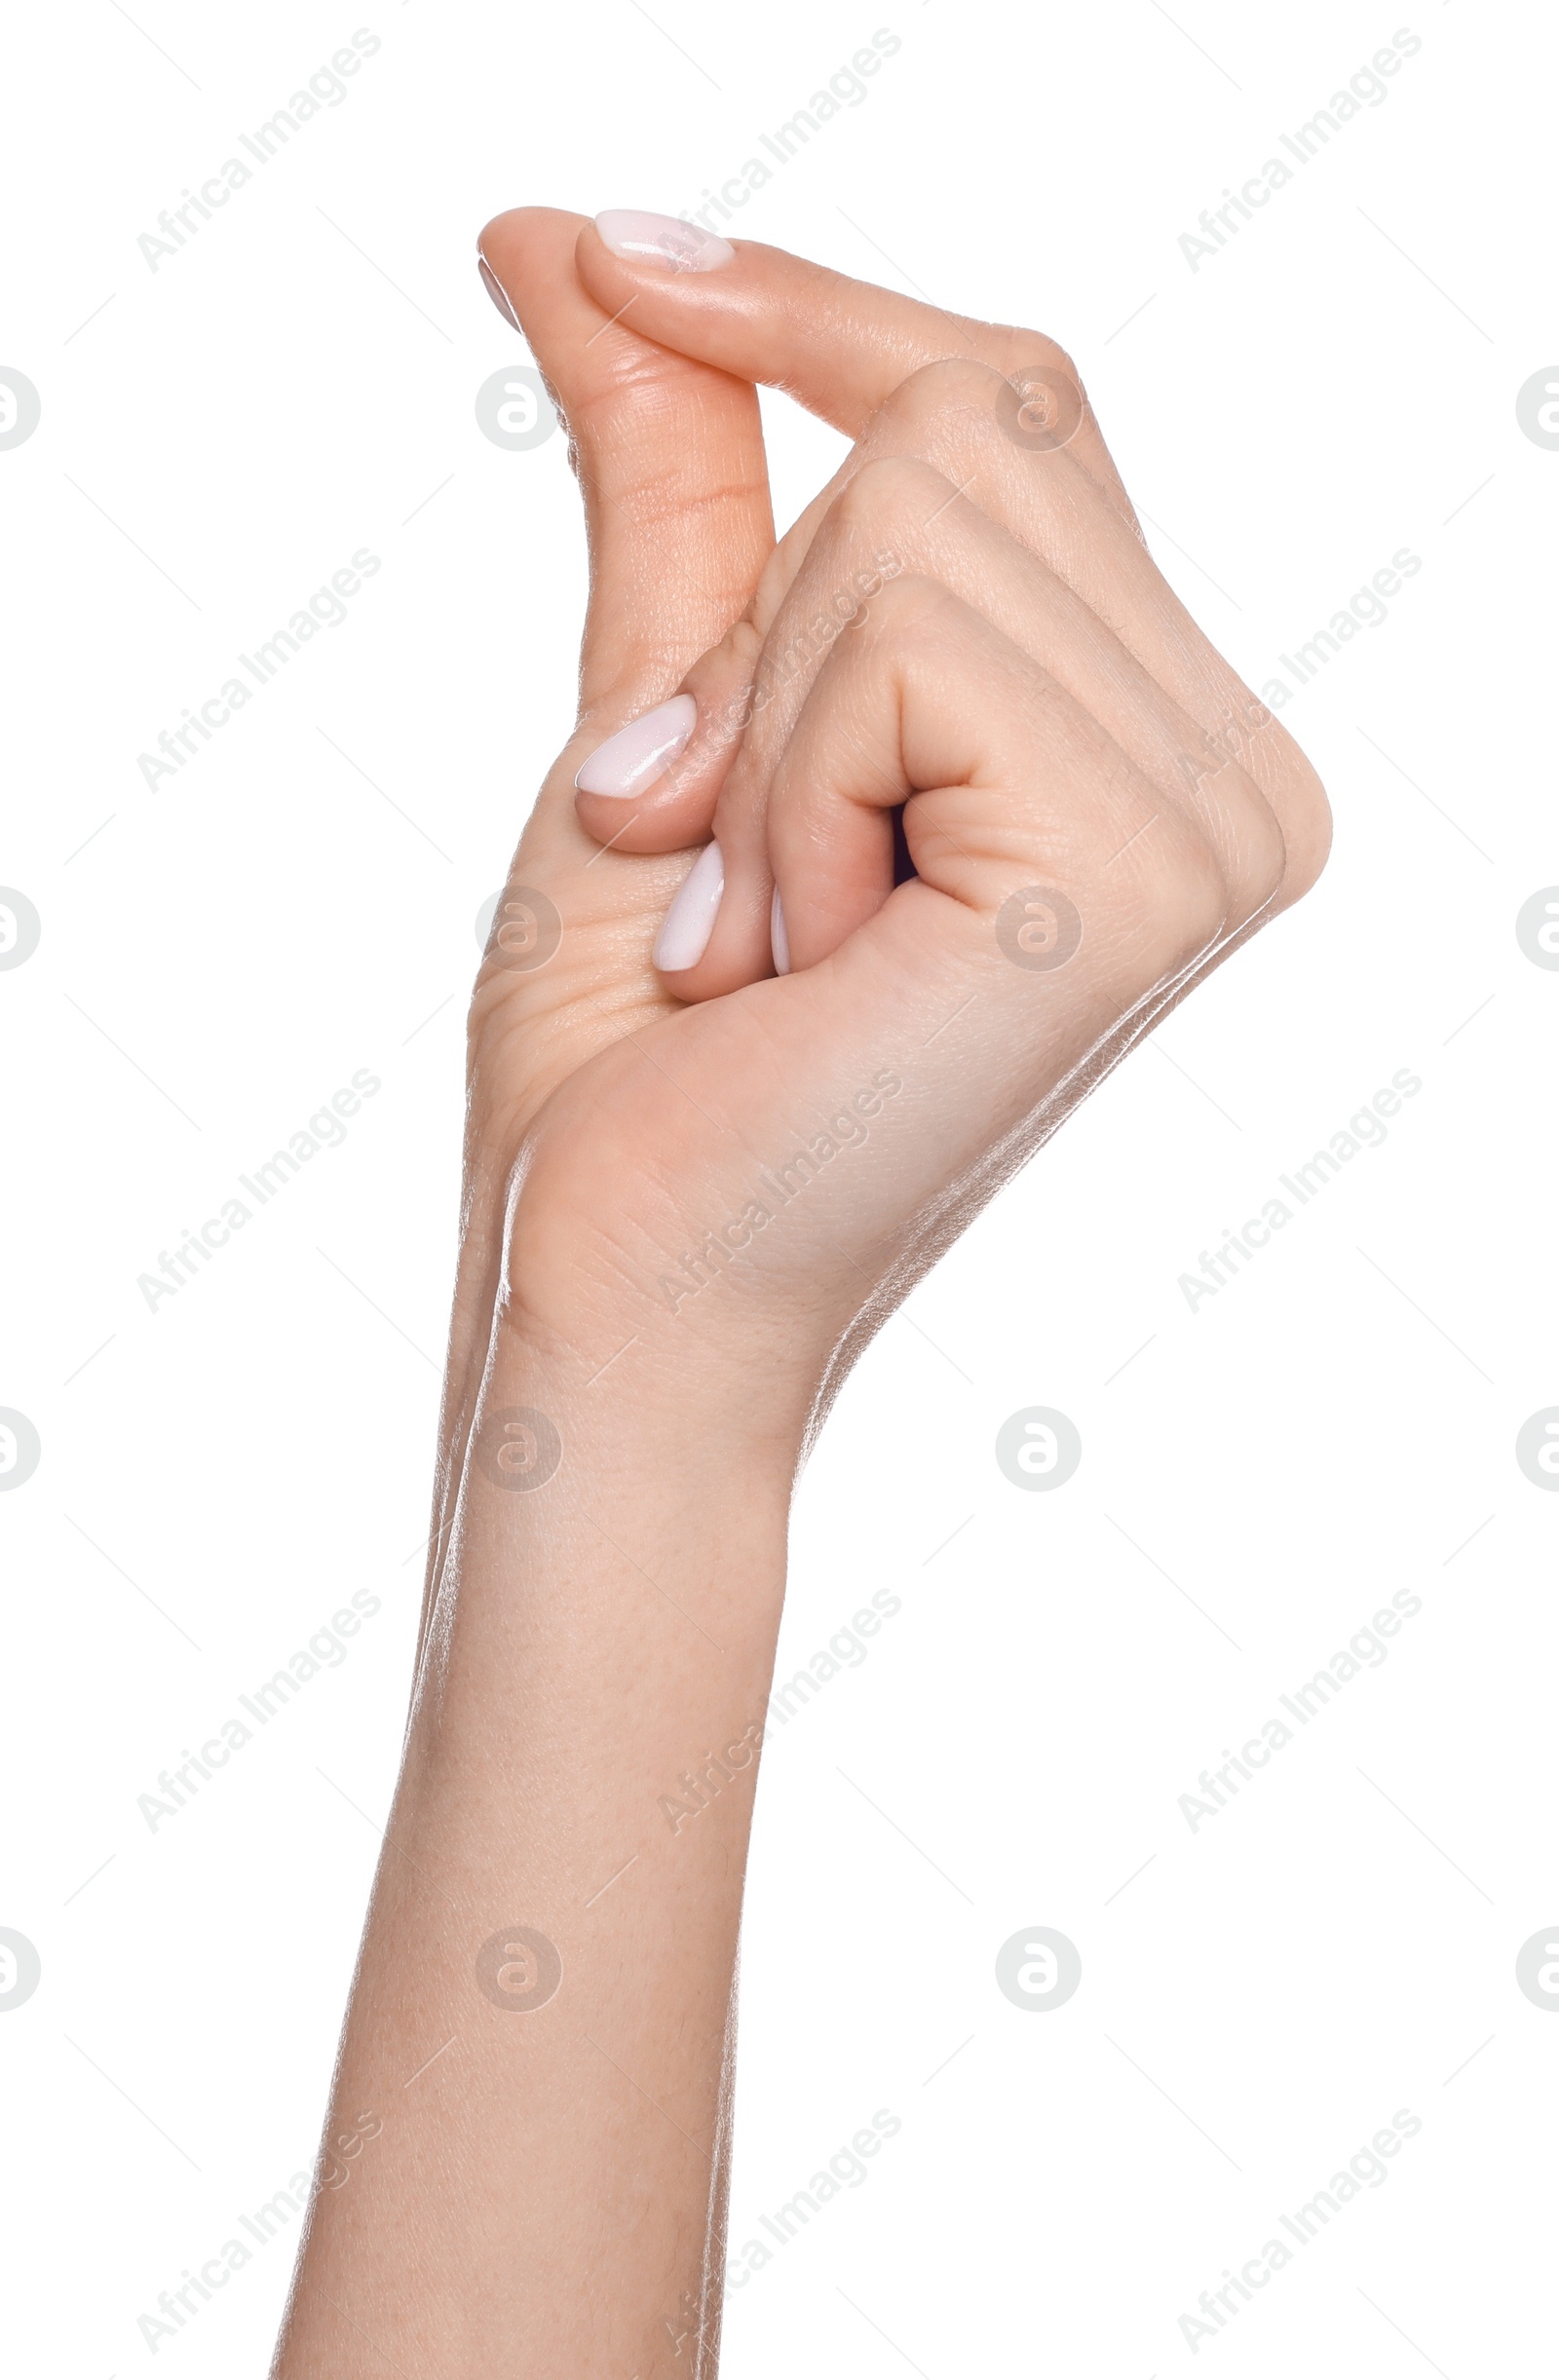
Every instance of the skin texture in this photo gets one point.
(964, 626)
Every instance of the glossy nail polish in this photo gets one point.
(779, 939)
(497, 292)
(630, 762)
(663, 240)
(687, 923)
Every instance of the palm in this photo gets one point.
(633, 1115)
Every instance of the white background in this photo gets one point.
(220, 955)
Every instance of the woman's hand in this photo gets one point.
(695, 1186)
(965, 624)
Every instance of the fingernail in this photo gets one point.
(631, 759)
(665, 239)
(687, 923)
(497, 292)
(779, 939)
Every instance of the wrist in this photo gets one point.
(652, 1407)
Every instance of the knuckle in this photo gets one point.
(1277, 817)
(1262, 857)
(1194, 913)
(1250, 833)
(1031, 398)
(1295, 801)
(907, 603)
(931, 388)
(1020, 351)
(889, 488)
(1167, 888)
(818, 612)
(1307, 831)
(1032, 347)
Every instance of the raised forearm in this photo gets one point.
(537, 2027)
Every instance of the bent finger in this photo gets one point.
(840, 347)
(1010, 784)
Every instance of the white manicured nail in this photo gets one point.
(630, 762)
(498, 293)
(663, 239)
(687, 923)
(779, 939)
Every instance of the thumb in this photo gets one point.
(668, 453)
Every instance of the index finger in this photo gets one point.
(840, 347)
